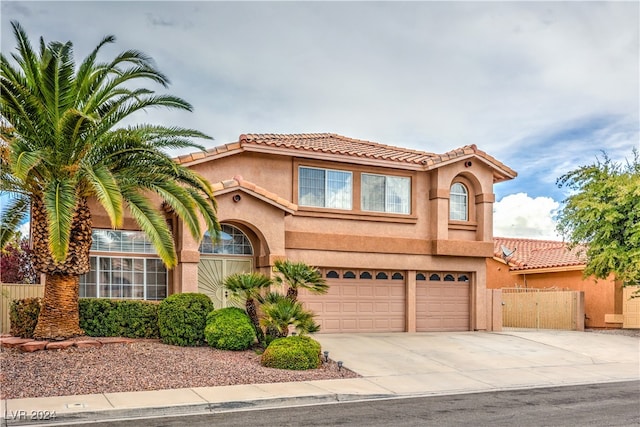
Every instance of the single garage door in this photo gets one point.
(442, 302)
(359, 301)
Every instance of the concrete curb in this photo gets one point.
(82, 416)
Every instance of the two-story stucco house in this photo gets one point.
(401, 236)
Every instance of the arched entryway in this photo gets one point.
(233, 253)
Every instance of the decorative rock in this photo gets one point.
(59, 345)
(14, 341)
(88, 344)
(32, 346)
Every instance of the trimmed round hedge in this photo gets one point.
(296, 352)
(182, 319)
(229, 329)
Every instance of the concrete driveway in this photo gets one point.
(408, 363)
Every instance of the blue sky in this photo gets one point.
(542, 86)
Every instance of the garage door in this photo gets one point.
(359, 301)
(442, 302)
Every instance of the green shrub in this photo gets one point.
(100, 317)
(23, 316)
(295, 352)
(229, 329)
(97, 317)
(182, 318)
(138, 319)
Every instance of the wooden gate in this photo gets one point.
(542, 309)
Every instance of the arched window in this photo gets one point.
(365, 275)
(333, 275)
(232, 241)
(458, 203)
(349, 275)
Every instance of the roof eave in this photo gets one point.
(334, 157)
(539, 270)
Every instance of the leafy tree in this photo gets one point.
(603, 213)
(15, 262)
(296, 275)
(64, 143)
(247, 286)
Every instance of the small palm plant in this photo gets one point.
(280, 312)
(247, 286)
(296, 275)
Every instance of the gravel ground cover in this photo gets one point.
(138, 366)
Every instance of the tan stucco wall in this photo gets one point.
(601, 298)
(425, 240)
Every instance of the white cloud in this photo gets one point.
(519, 215)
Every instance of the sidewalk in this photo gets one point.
(392, 365)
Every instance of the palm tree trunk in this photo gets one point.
(59, 316)
(250, 306)
(292, 293)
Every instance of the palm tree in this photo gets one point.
(298, 275)
(280, 312)
(248, 286)
(64, 143)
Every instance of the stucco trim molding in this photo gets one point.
(239, 184)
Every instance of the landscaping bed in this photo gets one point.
(140, 365)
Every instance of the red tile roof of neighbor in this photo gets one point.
(530, 254)
(335, 147)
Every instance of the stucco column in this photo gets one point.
(186, 272)
(410, 301)
(484, 216)
(479, 295)
(439, 212)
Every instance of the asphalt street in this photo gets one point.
(610, 404)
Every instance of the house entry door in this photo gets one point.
(211, 274)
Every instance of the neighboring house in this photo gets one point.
(401, 236)
(544, 264)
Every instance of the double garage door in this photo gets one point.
(375, 301)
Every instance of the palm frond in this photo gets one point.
(153, 225)
(59, 201)
(14, 214)
(107, 191)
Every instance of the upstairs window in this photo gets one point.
(458, 203)
(325, 188)
(389, 194)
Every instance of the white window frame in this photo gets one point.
(338, 198)
(123, 245)
(458, 202)
(389, 191)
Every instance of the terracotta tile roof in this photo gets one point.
(336, 144)
(335, 147)
(238, 183)
(214, 152)
(530, 254)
